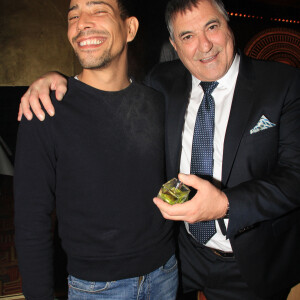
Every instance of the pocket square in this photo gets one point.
(262, 124)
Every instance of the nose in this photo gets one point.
(204, 43)
(84, 22)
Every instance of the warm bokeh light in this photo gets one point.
(241, 15)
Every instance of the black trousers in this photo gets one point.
(219, 278)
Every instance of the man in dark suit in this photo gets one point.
(256, 159)
(251, 189)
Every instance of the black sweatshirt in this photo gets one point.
(99, 161)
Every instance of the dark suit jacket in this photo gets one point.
(261, 171)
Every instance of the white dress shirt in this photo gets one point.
(223, 95)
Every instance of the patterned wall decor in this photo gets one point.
(277, 44)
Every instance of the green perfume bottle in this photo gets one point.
(174, 192)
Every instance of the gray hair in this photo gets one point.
(176, 6)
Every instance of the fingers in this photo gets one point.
(38, 95)
(20, 112)
(31, 99)
(24, 107)
(190, 180)
(209, 203)
(61, 91)
(35, 105)
(58, 83)
(176, 212)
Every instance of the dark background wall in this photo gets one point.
(33, 40)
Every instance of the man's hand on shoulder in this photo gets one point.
(209, 203)
(39, 91)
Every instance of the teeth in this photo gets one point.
(206, 59)
(90, 42)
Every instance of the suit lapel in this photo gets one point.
(177, 104)
(240, 111)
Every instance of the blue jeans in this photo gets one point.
(160, 284)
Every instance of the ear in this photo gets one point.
(173, 43)
(132, 25)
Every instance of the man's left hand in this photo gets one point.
(209, 203)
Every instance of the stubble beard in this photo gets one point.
(95, 63)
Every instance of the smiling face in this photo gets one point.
(98, 34)
(203, 41)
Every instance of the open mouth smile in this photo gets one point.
(90, 42)
(208, 59)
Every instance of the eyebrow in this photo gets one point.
(181, 34)
(90, 3)
(212, 21)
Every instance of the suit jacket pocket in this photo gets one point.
(261, 135)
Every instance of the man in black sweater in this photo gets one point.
(99, 161)
(235, 121)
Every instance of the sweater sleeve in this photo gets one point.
(34, 187)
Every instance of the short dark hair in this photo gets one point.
(127, 8)
(176, 6)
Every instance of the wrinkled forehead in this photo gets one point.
(90, 3)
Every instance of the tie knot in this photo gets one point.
(208, 86)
